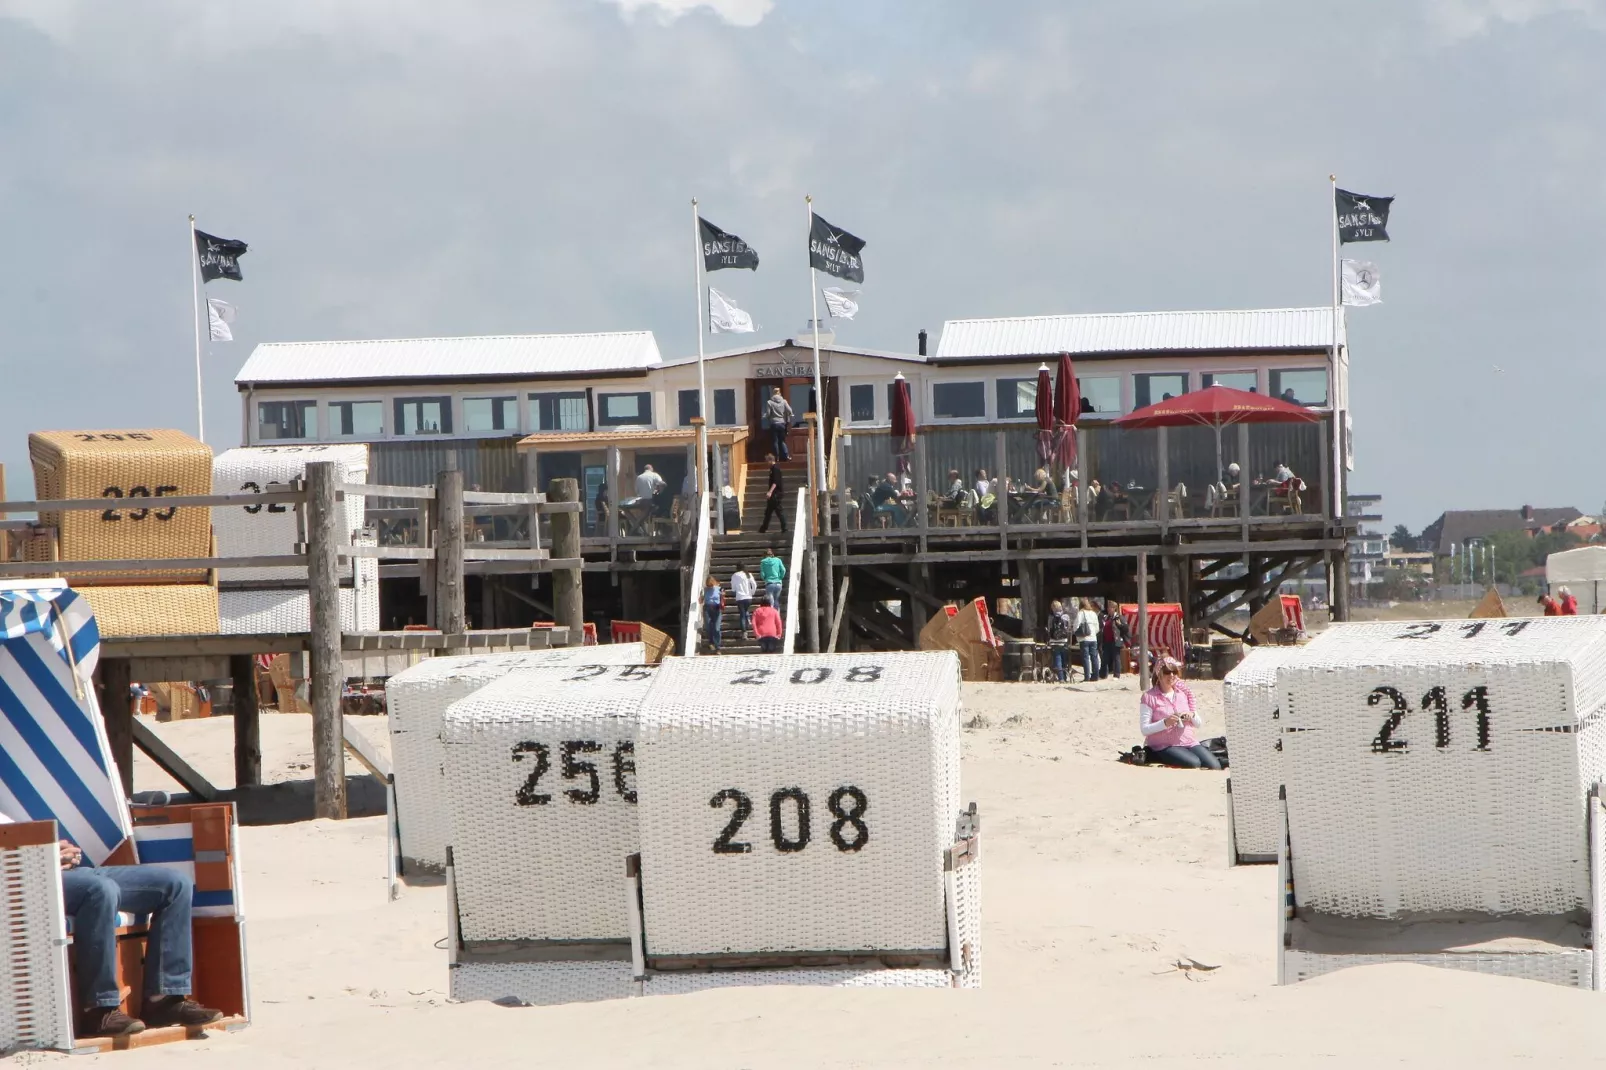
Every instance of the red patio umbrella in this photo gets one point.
(1218, 406)
(903, 422)
(1067, 411)
(1045, 415)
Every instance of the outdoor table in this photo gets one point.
(635, 515)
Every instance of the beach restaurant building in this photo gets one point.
(516, 411)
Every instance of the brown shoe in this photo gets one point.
(178, 1010)
(108, 1022)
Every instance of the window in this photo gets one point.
(1235, 380)
(287, 419)
(564, 411)
(1017, 398)
(356, 419)
(688, 407)
(490, 414)
(423, 416)
(1302, 386)
(725, 407)
(959, 401)
(1152, 388)
(1101, 395)
(616, 409)
(861, 403)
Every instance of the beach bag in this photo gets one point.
(1218, 747)
(1084, 631)
(1059, 628)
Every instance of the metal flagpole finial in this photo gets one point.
(808, 198)
(1332, 178)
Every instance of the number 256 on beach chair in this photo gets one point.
(58, 781)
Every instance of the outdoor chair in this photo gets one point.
(1285, 497)
(668, 525)
(1176, 501)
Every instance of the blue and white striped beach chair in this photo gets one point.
(58, 780)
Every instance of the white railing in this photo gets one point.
(699, 571)
(795, 568)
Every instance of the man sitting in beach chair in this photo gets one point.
(94, 896)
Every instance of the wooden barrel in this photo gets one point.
(1018, 659)
(132, 470)
(1225, 654)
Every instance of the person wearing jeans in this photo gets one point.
(1087, 637)
(1169, 720)
(778, 414)
(713, 612)
(767, 625)
(742, 590)
(93, 897)
(1112, 637)
(772, 570)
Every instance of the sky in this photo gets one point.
(406, 167)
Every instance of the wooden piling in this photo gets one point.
(247, 722)
(451, 611)
(567, 602)
(328, 671)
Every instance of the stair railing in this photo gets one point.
(794, 569)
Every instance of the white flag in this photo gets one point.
(1362, 284)
(842, 304)
(220, 314)
(723, 315)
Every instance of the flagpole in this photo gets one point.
(702, 383)
(195, 315)
(820, 430)
(1338, 416)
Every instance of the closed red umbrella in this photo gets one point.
(1217, 407)
(903, 423)
(1067, 411)
(1045, 415)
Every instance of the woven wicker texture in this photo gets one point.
(166, 609)
(257, 612)
(542, 984)
(1569, 968)
(540, 775)
(123, 465)
(682, 982)
(1444, 766)
(968, 887)
(33, 1001)
(731, 754)
(416, 700)
(259, 530)
(1254, 734)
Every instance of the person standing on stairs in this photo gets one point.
(713, 612)
(743, 587)
(772, 570)
(778, 415)
(767, 625)
(773, 498)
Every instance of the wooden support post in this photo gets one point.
(1338, 590)
(1084, 476)
(1001, 497)
(247, 722)
(113, 677)
(841, 604)
(919, 612)
(811, 597)
(567, 599)
(425, 523)
(1169, 586)
(1162, 494)
(816, 479)
(922, 474)
(1143, 621)
(718, 494)
(1031, 599)
(614, 498)
(699, 428)
(532, 485)
(328, 671)
(1328, 509)
(1245, 479)
(451, 612)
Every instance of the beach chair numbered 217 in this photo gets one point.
(59, 781)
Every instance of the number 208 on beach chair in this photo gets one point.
(58, 781)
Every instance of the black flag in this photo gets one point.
(721, 250)
(835, 251)
(220, 257)
(1362, 218)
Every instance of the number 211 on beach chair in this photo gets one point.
(58, 780)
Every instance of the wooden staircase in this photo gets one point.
(794, 474)
(730, 552)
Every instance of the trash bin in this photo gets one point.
(1018, 660)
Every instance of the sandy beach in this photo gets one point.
(1100, 877)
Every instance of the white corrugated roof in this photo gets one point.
(1121, 332)
(504, 356)
(765, 347)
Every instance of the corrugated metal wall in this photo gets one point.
(490, 463)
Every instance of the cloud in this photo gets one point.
(1462, 19)
(735, 12)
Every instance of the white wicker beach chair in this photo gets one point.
(1441, 797)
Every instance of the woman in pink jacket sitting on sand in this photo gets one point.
(1170, 721)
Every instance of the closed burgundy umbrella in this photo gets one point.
(1067, 411)
(903, 423)
(1045, 415)
(1218, 406)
